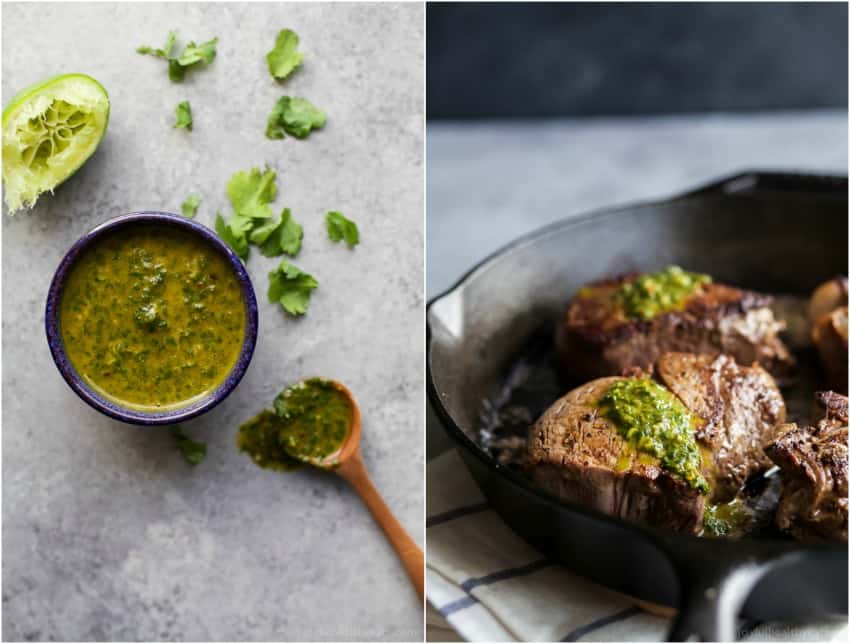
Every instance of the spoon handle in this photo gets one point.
(353, 471)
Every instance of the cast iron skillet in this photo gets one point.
(779, 233)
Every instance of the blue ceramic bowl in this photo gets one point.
(109, 407)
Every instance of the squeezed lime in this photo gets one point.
(49, 130)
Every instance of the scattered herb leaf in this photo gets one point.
(292, 287)
(252, 192)
(340, 227)
(193, 451)
(294, 116)
(165, 52)
(236, 239)
(240, 224)
(203, 53)
(189, 207)
(192, 56)
(284, 58)
(277, 237)
(183, 112)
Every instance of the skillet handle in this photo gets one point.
(715, 583)
(713, 595)
(754, 182)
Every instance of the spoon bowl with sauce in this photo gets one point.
(317, 422)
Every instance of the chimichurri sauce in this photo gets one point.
(655, 422)
(316, 417)
(651, 294)
(726, 519)
(152, 317)
(310, 421)
(260, 439)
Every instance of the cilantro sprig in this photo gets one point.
(291, 287)
(251, 193)
(278, 237)
(192, 56)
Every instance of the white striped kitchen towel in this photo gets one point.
(490, 585)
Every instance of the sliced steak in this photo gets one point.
(813, 461)
(595, 338)
(828, 316)
(577, 454)
(740, 407)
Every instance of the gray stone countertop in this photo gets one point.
(491, 182)
(107, 533)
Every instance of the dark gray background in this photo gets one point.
(573, 59)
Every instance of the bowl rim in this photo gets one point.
(91, 396)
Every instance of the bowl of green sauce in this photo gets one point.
(151, 318)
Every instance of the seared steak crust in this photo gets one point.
(828, 296)
(813, 461)
(740, 407)
(829, 334)
(828, 317)
(578, 455)
(596, 339)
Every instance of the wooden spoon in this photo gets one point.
(348, 463)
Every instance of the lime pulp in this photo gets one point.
(49, 130)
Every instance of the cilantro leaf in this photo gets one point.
(169, 43)
(165, 52)
(251, 192)
(203, 53)
(240, 224)
(183, 111)
(189, 207)
(340, 227)
(294, 116)
(193, 451)
(236, 239)
(292, 287)
(277, 237)
(192, 56)
(176, 72)
(284, 58)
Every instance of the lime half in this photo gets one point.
(49, 130)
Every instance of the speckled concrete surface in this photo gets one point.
(107, 532)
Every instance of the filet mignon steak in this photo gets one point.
(579, 455)
(813, 461)
(828, 317)
(740, 407)
(596, 338)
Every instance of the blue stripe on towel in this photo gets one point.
(492, 578)
(501, 575)
(456, 605)
(454, 514)
(581, 631)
